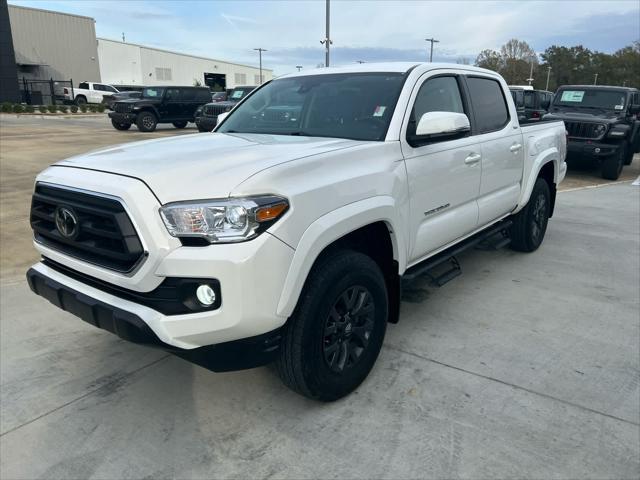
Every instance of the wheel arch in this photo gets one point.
(370, 226)
(546, 167)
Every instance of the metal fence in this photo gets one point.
(45, 92)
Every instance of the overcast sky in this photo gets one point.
(361, 30)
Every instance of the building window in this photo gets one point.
(257, 79)
(240, 78)
(163, 73)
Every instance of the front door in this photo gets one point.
(444, 176)
(173, 104)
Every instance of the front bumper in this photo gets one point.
(235, 355)
(207, 123)
(591, 149)
(123, 117)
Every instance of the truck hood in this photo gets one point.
(595, 116)
(202, 166)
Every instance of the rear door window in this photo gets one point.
(489, 104)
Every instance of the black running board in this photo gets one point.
(436, 268)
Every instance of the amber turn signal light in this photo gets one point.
(266, 214)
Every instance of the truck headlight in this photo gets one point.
(599, 130)
(228, 220)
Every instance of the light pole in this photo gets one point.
(327, 39)
(299, 67)
(360, 61)
(432, 40)
(548, 74)
(595, 79)
(260, 50)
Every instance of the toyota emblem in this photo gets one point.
(66, 222)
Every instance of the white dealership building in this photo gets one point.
(136, 65)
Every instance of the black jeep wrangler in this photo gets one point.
(207, 116)
(602, 123)
(175, 105)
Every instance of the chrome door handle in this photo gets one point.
(515, 147)
(472, 159)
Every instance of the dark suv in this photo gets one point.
(531, 105)
(602, 123)
(207, 116)
(175, 105)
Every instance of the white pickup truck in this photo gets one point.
(88, 92)
(285, 235)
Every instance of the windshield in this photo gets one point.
(355, 106)
(152, 92)
(591, 98)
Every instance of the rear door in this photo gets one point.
(502, 147)
(444, 176)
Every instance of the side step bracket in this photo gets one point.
(433, 267)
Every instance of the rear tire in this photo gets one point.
(120, 126)
(335, 334)
(180, 124)
(81, 100)
(146, 122)
(612, 165)
(530, 223)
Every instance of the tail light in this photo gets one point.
(66, 91)
(535, 115)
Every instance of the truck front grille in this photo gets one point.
(86, 226)
(121, 107)
(582, 130)
(214, 110)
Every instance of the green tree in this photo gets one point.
(489, 59)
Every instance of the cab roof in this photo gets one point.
(391, 67)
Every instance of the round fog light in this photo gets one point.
(206, 295)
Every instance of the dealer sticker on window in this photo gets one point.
(379, 111)
(572, 96)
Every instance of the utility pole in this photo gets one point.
(548, 74)
(260, 50)
(123, 37)
(327, 39)
(595, 79)
(530, 79)
(360, 61)
(432, 40)
(299, 67)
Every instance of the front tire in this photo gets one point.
(612, 165)
(333, 338)
(120, 126)
(530, 223)
(180, 124)
(146, 122)
(630, 152)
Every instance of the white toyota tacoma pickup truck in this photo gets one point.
(285, 235)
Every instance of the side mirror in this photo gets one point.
(545, 104)
(221, 117)
(634, 109)
(442, 125)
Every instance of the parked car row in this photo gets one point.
(602, 122)
(206, 117)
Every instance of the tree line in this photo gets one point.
(516, 61)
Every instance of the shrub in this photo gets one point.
(17, 108)
(7, 107)
(83, 108)
(42, 108)
(29, 109)
(100, 108)
(62, 108)
(52, 108)
(74, 109)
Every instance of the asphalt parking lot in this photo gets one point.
(525, 366)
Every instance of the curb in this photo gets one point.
(54, 116)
